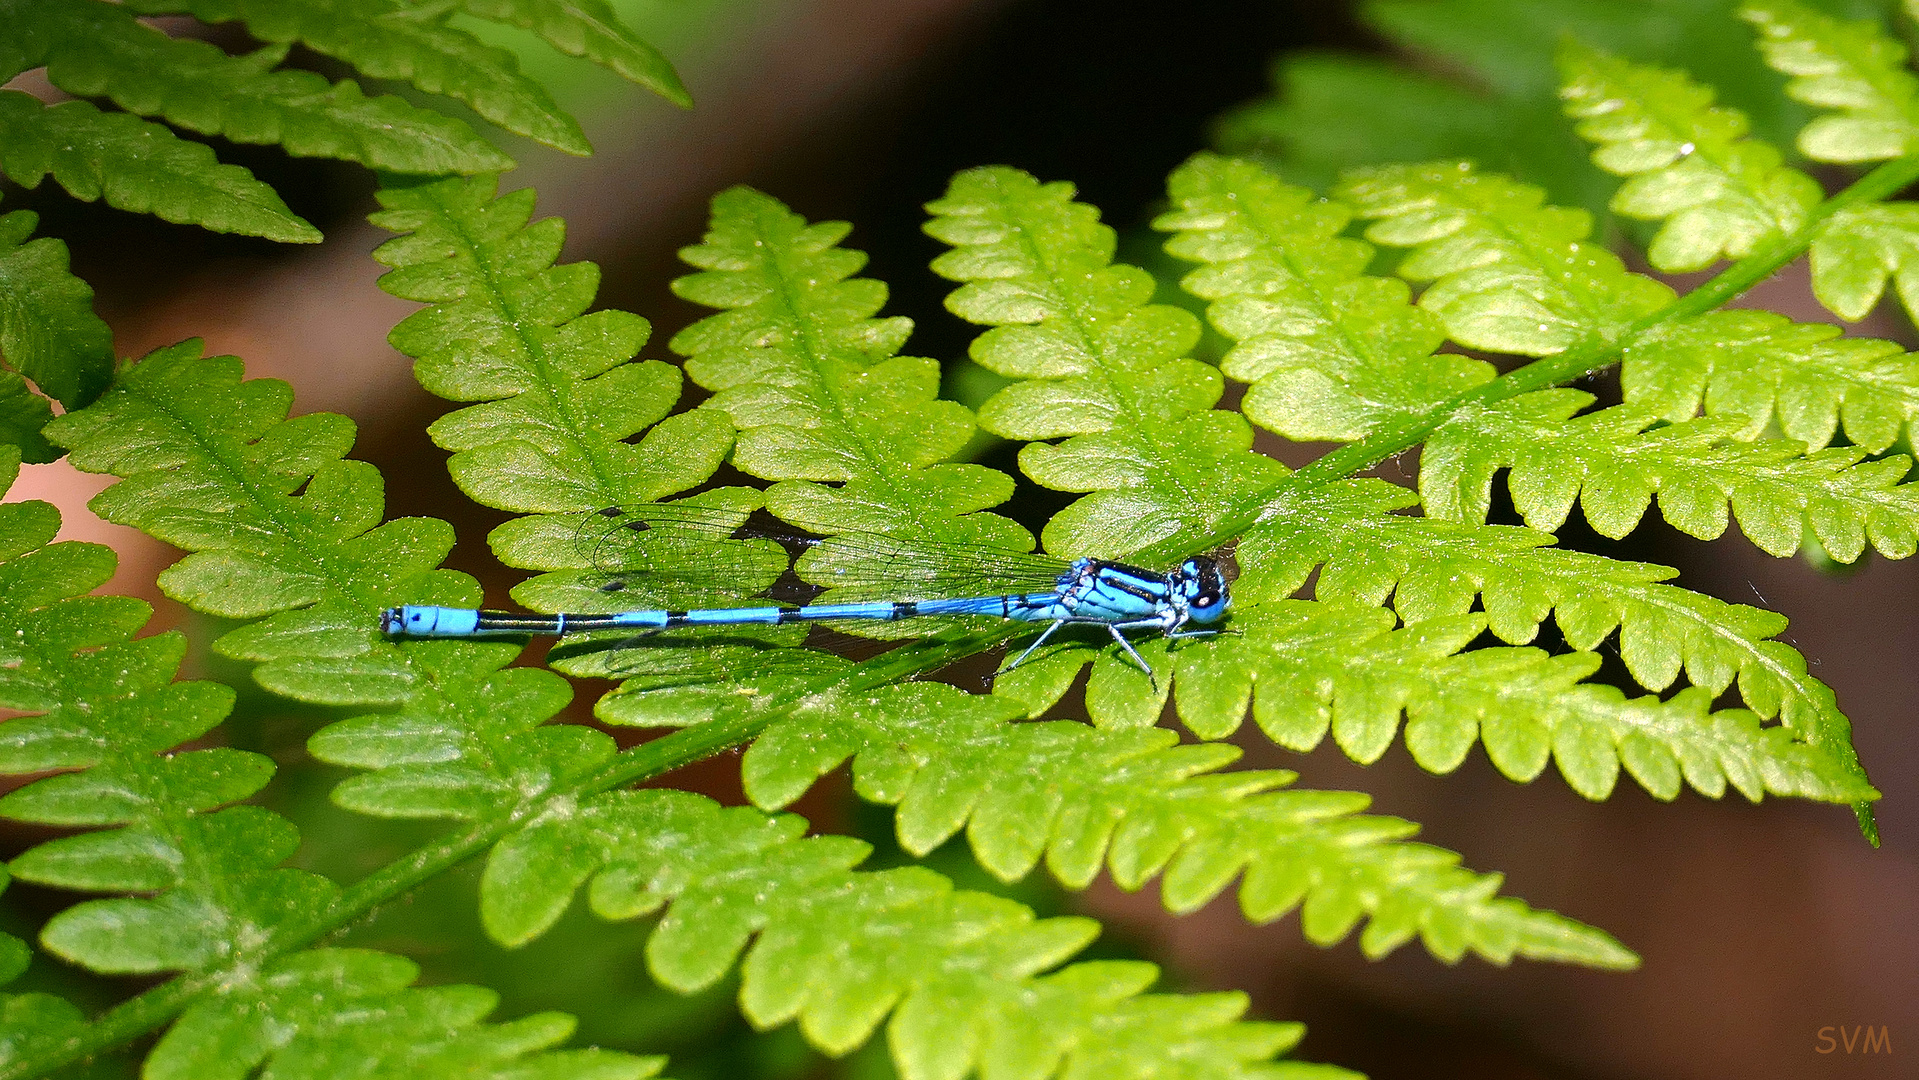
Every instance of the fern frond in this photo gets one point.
(137, 166)
(48, 333)
(1309, 668)
(507, 327)
(1612, 465)
(590, 28)
(1508, 274)
(101, 50)
(104, 705)
(1760, 368)
(1125, 798)
(211, 465)
(1688, 163)
(388, 39)
(327, 1013)
(1331, 352)
(1097, 363)
(1855, 68)
(839, 950)
(1432, 568)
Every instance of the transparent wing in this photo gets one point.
(676, 548)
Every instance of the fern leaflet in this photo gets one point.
(100, 50)
(388, 39)
(1613, 465)
(1689, 163)
(48, 333)
(1330, 352)
(137, 166)
(1096, 363)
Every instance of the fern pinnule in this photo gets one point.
(839, 950)
(48, 333)
(211, 463)
(386, 39)
(1432, 568)
(1307, 668)
(1688, 162)
(1763, 369)
(1330, 351)
(1123, 797)
(92, 49)
(1096, 362)
(1856, 69)
(139, 166)
(803, 365)
(1613, 465)
(326, 1013)
(1508, 274)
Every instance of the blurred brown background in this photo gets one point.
(1759, 925)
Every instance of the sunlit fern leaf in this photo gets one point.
(48, 331)
(801, 363)
(592, 29)
(388, 39)
(210, 464)
(1612, 466)
(1689, 163)
(1128, 800)
(1761, 368)
(102, 711)
(137, 166)
(1310, 668)
(1095, 362)
(328, 1013)
(839, 950)
(1855, 68)
(1432, 568)
(1331, 352)
(508, 327)
(101, 50)
(1508, 273)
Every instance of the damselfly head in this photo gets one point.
(1203, 583)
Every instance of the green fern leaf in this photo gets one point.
(48, 331)
(838, 950)
(1613, 465)
(22, 414)
(1310, 668)
(210, 464)
(388, 39)
(590, 28)
(100, 50)
(1096, 363)
(1508, 274)
(1330, 351)
(335, 1012)
(507, 327)
(1689, 163)
(1761, 368)
(1125, 798)
(1855, 68)
(106, 706)
(1859, 250)
(138, 166)
(1432, 568)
